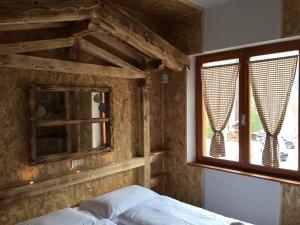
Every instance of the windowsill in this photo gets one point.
(245, 173)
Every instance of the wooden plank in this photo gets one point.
(32, 26)
(158, 156)
(68, 108)
(26, 12)
(55, 65)
(32, 46)
(99, 52)
(146, 132)
(33, 152)
(40, 187)
(137, 35)
(46, 87)
(74, 155)
(122, 47)
(51, 123)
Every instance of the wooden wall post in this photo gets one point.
(145, 176)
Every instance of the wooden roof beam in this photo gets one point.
(105, 17)
(55, 65)
(32, 46)
(121, 47)
(27, 12)
(99, 52)
(126, 28)
(32, 26)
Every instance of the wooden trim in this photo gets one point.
(46, 87)
(63, 66)
(146, 133)
(99, 52)
(72, 155)
(52, 123)
(33, 152)
(40, 187)
(68, 108)
(32, 46)
(244, 164)
(32, 26)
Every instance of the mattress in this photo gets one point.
(163, 210)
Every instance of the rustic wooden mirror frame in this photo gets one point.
(77, 151)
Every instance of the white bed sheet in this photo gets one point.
(167, 211)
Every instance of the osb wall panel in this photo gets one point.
(183, 182)
(14, 148)
(291, 17)
(24, 209)
(185, 33)
(290, 204)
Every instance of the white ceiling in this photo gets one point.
(207, 3)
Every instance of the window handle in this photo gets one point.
(243, 120)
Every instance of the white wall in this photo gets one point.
(236, 23)
(239, 22)
(191, 125)
(252, 200)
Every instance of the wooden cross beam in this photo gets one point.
(105, 18)
(64, 66)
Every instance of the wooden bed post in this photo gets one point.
(144, 121)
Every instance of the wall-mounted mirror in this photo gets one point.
(68, 122)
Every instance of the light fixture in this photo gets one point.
(31, 182)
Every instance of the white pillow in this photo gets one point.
(105, 222)
(111, 205)
(67, 216)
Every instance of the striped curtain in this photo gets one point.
(271, 82)
(218, 91)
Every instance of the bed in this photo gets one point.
(133, 205)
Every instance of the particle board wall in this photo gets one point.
(185, 32)
(14, 148)
(290, 204)
(183, 182)
(291, 17)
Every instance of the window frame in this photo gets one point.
(243, 165)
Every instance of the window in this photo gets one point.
(68, 122)
(247, 113)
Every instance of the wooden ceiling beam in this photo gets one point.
(63, 66)
(126, 28)
(32, 26)
(32, 46)
(122, 47)
(99, 52)
(105, 17)
(42, 11)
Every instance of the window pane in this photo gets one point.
(50, 105)
(54, 140)
(288, 137)
(94, 135)
(231, 131)
(92, 105)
